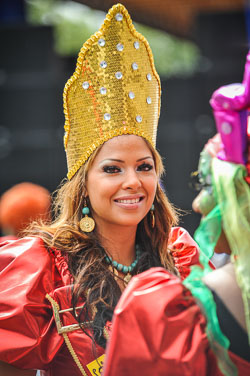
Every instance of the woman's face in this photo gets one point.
(121, 182)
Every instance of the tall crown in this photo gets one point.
(114, 90)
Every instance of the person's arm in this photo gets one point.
(8, 370)
(223, 282)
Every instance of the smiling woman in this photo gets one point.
(112, 217)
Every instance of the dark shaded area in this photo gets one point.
(32, 78)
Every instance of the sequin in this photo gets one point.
(118, 75)
(119, 47)
(118, 17)
(85, 85)
(107, 116)
(131, 95)
(226, 128)
(136, 45)
(149, 77)
(135, 66)
(101, 42)
(86, 128)
(103, 90)
(103, 64)
(149, 100)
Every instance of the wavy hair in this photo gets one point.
(94, 282)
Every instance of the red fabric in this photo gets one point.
(184, 250)
(158, 329)
(28, 334)
(242, 365)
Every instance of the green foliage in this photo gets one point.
(74, 23)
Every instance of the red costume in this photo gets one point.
(169, 340)
(35, 285)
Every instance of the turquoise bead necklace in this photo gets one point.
(123, 268)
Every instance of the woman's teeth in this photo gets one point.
(132, 201)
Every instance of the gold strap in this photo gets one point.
(63, 329)
(56, 309)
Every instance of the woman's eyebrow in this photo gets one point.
(121, 161)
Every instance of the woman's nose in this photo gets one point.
(131, 180)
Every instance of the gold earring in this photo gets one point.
(87, 224)
(152, 216)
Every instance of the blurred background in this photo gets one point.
(199, 45)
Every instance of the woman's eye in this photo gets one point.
(145, 167)
(111, 169)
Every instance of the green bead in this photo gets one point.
(125, 269)
(107, 259)
(119, 267)
(129, 269)
(114, 263)
(85, 210)
(152, 207)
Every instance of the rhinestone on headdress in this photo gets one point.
(101, 42)
(116, 100)
(149, 100)
(103, 90)
(103, 64)
(118, 17)
(119, 47)
(135, 66)
(107, 116)
(118, 75)
(136, 45)
(85, 85)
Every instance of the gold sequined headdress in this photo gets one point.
(114, 90)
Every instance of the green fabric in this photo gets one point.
(233, 195)
(218, 342)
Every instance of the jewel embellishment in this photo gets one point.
(103, 90)
(119, 47)
(135, 66)
(103, 64)
(149, 77)
(226, 128)
(118, 17)
(138, 119)
(101, 42)
(85, 85)
(136, 45)
(107, 116)
(118, 75)
(131, 95)
(149, 100)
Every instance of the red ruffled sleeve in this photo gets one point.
(28, 337)
(184, 250)
(158, 329)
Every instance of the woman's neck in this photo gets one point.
(120, 245)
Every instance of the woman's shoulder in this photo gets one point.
(24, 250)
(32, 255)
(184, 250)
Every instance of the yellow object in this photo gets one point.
(96, 366)
(114, 90)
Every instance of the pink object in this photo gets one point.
(231, 104)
